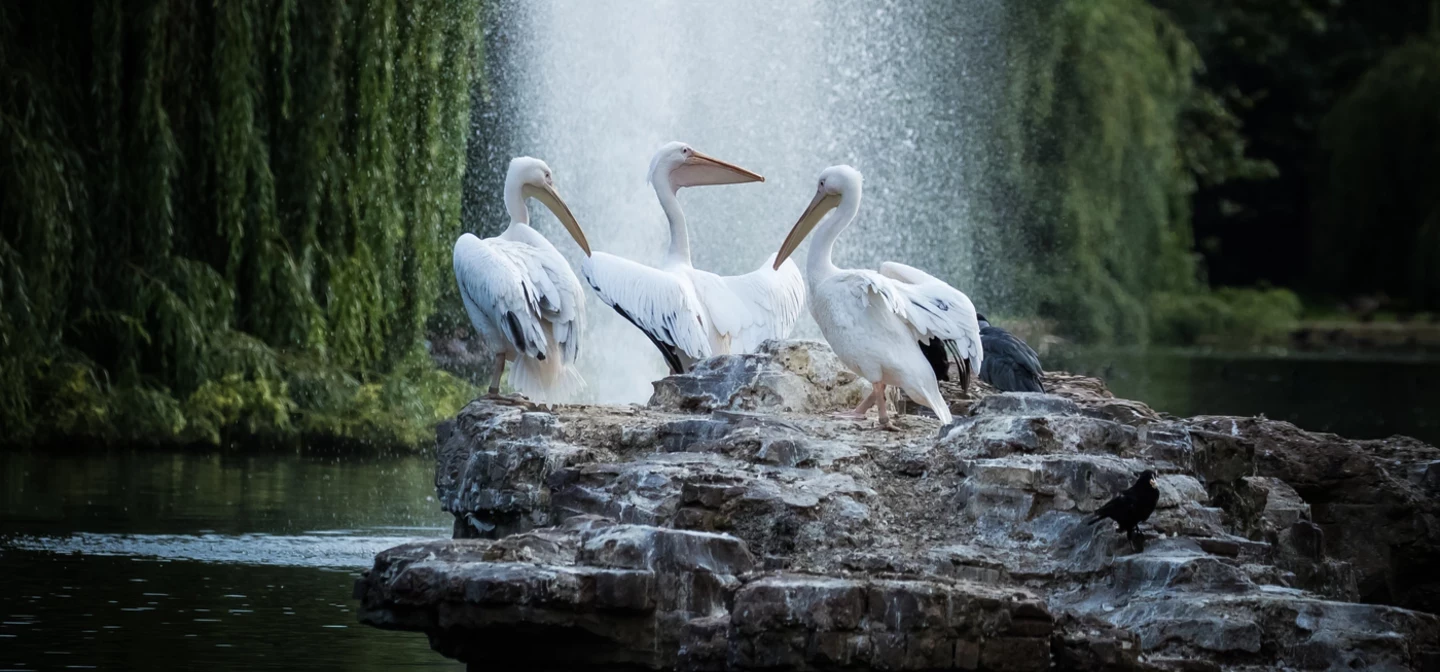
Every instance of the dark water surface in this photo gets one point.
(1362, 396)
(178, 561)
(127, 560)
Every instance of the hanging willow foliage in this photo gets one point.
(228, 216)
(1098, 89)
(1106, 136)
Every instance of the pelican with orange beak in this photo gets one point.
(895, 327)
(520, 294)
(687, 313)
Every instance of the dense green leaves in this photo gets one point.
(1098, 91)
(1108, 137)
(210, 206)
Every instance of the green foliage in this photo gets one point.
(1380, 209)
(227, 203)
(398, 409)
(1227, 316)
(1108, 137)
(1099, 91)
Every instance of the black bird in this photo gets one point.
(1010, 365)
(1131, 507)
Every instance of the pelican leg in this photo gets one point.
(884, 423)
(859, 412)
(495, 374)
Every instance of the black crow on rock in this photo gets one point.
(1131, 507)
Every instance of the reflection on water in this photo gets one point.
(160, 561)
(1363, 397)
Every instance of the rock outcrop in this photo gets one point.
(733, 525)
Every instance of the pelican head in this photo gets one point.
(536, 182)
(679, 165)
(835, 183)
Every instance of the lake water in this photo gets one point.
(128, 560)
(1363, 396)
(205, 560)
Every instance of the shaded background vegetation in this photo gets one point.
(233, 219)
(1162, 149)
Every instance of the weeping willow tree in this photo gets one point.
(1380, 206)
(230, 216)
(1106, 139)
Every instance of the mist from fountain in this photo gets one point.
(904, 91)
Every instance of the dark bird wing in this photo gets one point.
(1145, 502)
(1010, 365)
(935, 351)
(1117, 509)
(1129, 508)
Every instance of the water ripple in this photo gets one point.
(328, 548)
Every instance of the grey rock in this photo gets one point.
(803, 376)
(717, 530)
(1360, 494)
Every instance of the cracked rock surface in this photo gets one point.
(733, 525)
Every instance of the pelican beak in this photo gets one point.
(547, 195)
(822, 204)
(702, 169)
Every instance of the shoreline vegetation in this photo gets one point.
(231, 223)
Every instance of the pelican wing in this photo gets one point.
(861, 288)
(561, 299)
(659, 303)
(728, 313)
(774, 300)
(937, 310)
(499, 290)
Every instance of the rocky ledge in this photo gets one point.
(732, 525)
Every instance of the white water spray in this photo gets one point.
(898, 89)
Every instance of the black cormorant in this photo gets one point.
(1009, 365)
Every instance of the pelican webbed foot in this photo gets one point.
(515, 399)
(858, 413)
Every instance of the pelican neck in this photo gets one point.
(679, 252)
(821, 264)
(515, 202)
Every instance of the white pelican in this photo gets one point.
(520, 294)
(894, 327)
(690, 314)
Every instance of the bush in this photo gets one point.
(1226, 316)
